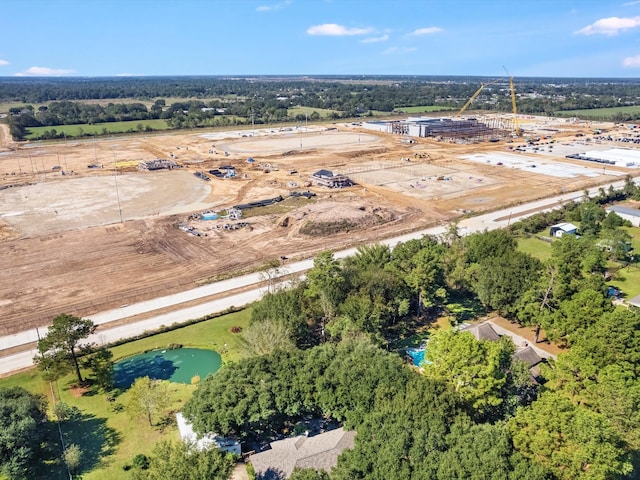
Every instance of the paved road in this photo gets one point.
(22, 360)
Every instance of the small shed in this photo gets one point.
(627, 213)
(561, 229)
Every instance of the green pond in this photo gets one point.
(180, 365)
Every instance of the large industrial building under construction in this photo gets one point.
(469, 129)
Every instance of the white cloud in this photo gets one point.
(610, 26)
(335, 30)
(629, 4)
(383, 38)
(425, 31)
(44, 71)
(3, 62)
(273, 6)
(398, 50)
(632, 62)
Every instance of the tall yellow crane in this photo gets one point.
(473, 97)
(516, 126)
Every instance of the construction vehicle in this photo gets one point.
(516, 126)
(473, 97)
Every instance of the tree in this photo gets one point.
(149, 398)
(73, 457)
(266, 336)
(58, 349)
(477, 370)
(501, 281)
(183, 461)
(23, 428)
(571, 441)
(270, 271)
(308, 473)
(325, 284)
(101, 363)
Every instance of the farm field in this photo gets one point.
(60, 217)
(99, 128)
(423, 109)
(599, 113)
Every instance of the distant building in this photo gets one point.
(319, 452)
(561, 229)
(627, 213)
(327, 178)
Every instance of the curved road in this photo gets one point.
(24, 359)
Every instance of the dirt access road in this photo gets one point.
(64, 248)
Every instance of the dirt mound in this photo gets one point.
(329, 217)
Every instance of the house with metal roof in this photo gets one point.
(561, 229)
(627, 213)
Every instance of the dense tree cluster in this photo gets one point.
(23, 428)
(409, 426)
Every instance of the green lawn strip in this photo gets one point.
(423, 109)
(300, 110)
(599, 113)
(211, 334)
(98, 128)
(107, 435)
(535, 247)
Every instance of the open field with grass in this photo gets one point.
(299, 110)
(600, 113)
(99, 128)
(107, 435)
(535, 247)
(423, 109)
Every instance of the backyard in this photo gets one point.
(100, 423)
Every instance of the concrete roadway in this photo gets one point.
(104, 334)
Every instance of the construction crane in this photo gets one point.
(513, 103)
(473, 97)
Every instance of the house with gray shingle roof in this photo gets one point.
(319, 452)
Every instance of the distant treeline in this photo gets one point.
(267, 99)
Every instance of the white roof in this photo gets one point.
(567, 227)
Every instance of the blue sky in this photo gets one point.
(553, 38)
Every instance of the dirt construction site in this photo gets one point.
(83, 228)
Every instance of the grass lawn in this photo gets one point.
(535, 247)
(107, 435)
(423, 109)
(627, 279)
(599, 113)
(300, 110)
(98, 128)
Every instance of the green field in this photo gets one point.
(423, 109)
(625, 278)
(535, 247)
(108, 436)
(98, 128)
(299, 110)
(599, 113)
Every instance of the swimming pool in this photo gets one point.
(417, 354)
(179, 365)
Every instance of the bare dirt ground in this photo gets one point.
(64, 249)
